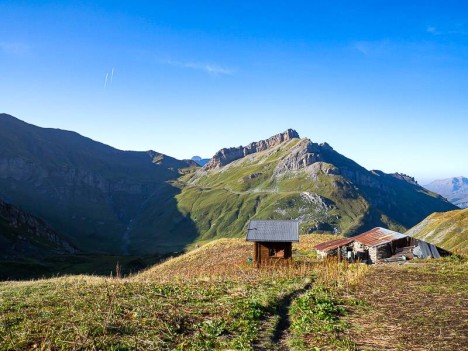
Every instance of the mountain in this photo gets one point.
(23, 235)
(448, 230)
(286, 177)
(200, 161)
(105, 200)
(90, 192)
(454, 189)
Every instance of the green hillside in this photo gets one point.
(448, 230)
(105, 200)
(298, 179)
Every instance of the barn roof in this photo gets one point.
(333, 244)
(273, 230)
(378, 236)
(373, 237)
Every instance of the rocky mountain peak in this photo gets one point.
(228, 155)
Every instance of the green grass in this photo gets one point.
(316, 321)
(212, 299)
(87, 313)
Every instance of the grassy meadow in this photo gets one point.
(211, 298)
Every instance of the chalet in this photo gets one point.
(377, 245)
(273, 241)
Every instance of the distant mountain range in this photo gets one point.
(101, 199)
(454, 189)
(200, 161)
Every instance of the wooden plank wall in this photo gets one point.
(262, 253)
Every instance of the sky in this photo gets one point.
(383, 82)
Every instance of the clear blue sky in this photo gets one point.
(384, 82)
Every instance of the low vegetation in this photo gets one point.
(212, 298)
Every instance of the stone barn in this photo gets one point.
(379, 243)
(273, 241)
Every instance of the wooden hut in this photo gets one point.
(273, 241)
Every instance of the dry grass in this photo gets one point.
(227, 259)
(210, 298)
(213, 299)
(307, 242)
(223, 257)
(421, 305)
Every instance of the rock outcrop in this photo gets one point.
(228, 155)
(24, 235)
(304, 154)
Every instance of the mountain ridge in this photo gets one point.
(143, 203)
(455, 189)
(303, 180)
(88, 191)
(227, 155)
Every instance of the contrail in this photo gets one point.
(112, 75)
(105, 82)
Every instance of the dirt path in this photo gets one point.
(273, 335)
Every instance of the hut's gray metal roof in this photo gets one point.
(273, 230)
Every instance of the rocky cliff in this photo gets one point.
(23, 235)
(228, 155)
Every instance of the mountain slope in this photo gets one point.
(90, 192)
(448, 230)
(144, 203)
(285, 177)
(454, 189)
(23, 235)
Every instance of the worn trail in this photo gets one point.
(274, 332)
